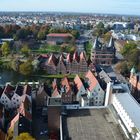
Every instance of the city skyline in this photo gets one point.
(126, 7)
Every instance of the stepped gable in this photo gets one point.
(52, 60)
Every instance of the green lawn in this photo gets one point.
(59, 76)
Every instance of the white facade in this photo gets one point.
(128, 111)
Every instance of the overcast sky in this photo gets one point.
(95, 6)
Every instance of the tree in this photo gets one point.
(107, 36)
(75, 33)
(41, 35)
(100, 25)
(88, 48)
(5, 49)
(24, 136)
(26, 68)
(128, 47)
(25, 50)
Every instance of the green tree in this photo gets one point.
(5, 49)
(75, 33)
(24, 136)
(25, 50)
(41, 35)
(88, 48)
(26, 68)
(100, 25)
(128, 47)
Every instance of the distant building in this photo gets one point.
(103, 54)
(59, 38)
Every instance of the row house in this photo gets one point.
(22, 121)
(11, 97)
(103, 54)
(70, 64)
(87, 91)
(95, 92)
(63, 91)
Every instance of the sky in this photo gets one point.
(131, 7)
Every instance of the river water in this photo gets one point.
(14, 77)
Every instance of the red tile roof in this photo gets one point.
(59, 35)
(78, 82)
(55, 93)
(65, 82)
(92, 80)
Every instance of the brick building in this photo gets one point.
(67, 64)
(103, 54)
(59, 38)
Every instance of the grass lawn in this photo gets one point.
(59, 76)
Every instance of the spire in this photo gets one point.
(111, 42)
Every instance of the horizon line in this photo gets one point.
(76, 12)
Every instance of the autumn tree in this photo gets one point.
(25, 50)
(24, 136)
(26, 68)
(5, 49)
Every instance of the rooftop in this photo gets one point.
(131, 107)
(94, 124)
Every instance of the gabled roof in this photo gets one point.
(56, 93)
(65, 83)
(19, 90)
(78, 82)
(61, 59)
(24, 107)
(54, 83)
(68, 58)
(9, 91)
(52, 60)
(27, 90)
(91, 80)
(76, 57)
(82, 56)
